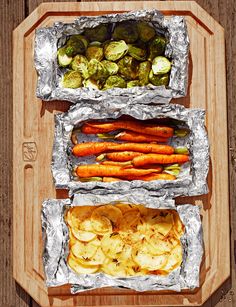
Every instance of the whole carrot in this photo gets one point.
(144, 178)
(135, 137)
(160, 159)
(121, 164)
(122, 156)
(94, 148)
(98, 170)
(133, 125)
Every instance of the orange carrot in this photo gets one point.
(144, 178)
(98, 170)
(123, 156)
(160, 159)
(94, 148)
(91, 130)
(133, 125)
(135, 137)
(121, 164)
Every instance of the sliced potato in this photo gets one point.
(131, 237)
(76, 215)
(97, 259)
(85, 250)
(80, 268)
(174, 260)
(101, 225)
(86, 225)
(106, 218)
(158, 247)
(114, 268)
(123, 207)
(82, 235)
(112, 245)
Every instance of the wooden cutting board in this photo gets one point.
(33, 138)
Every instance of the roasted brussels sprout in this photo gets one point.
(72, 79)
(145, 31)
(77, 44)
(114, 81)
(161, 65)
(111, 67)
(113, 51)
(99, 33)
(132, 83)
(90, 83)
(97, 70)
(126, 31)
(137, 52)
(128, 68)
(94, 52)
(80, 63)
(143, 72)
(156, 47)
(63, 59)
(78, 37)
(158, 80)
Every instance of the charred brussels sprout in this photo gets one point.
(137, 52)
(115, 50)
(77, 44)
(90, 83)
(97, 70)
(158, 80)
(78, 37)
(156, 47)
(63, 59)
(128, 68)
(99, 33)
(114, 81)
(94, 52)
(143, 72)
(80, 63)
(126, 31)
(133, 83)
(72, 79)
(161, 65)
(111, 67)
(146, 32)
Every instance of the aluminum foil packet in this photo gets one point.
(48, 40)
(192, 179)
(56, 246)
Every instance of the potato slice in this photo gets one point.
(85, 250)
(97, 259)
(105, 218)
(82, 235)
(112, 245)
(86, 225)
(80, 268)
(114, 268)
(174, 260)
(131, 237)
(145, 260)
(130, 219)
(123, 207)
(76, 215)
(158, 247)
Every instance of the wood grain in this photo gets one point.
(12, 13)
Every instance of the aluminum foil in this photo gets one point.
(48, 40)
(193, 177)
(56, 238)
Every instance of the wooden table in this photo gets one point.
(12, 13)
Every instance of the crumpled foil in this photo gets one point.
(193, 177)
(56, 238)
(48, 40)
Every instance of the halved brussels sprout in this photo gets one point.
(80, 63)
(161, 65)
(75, 46)
(63, 59)
(78, 37)
(72, 79)
(143, 72)
(133, 83)
(126, 31)
(97, 70)
(114, 81)
(128, 68)
(146, 32)
(113, 51)
(111, 67)
(90, 83)
(99, 33)
(156, 47)
(94, 52)
(137, 52)
(158, 80)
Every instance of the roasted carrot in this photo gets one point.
(98, 170)
(144, 178)
(122, 156)
(94, 148)
(160, 159)
(135, 137)
(121, 164)
(91, 130)
(133, 125)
